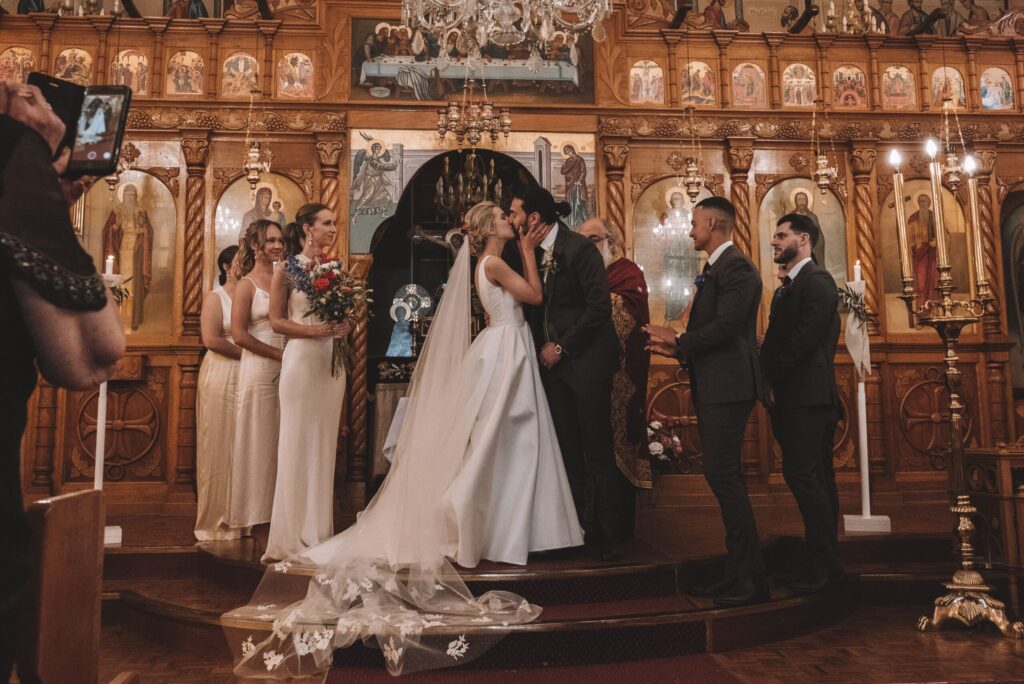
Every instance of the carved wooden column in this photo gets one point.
(774, 40)
(973, 92)
(195, 148)
(874, 42)
(328, 151)
(46, 426)
(213, 28)
(673, 75)
(1018, 47)
(616, 155)
(358, 456)
(268, 29)
(45, 24)
(723, 38)
(987, 211)
(824, 42)
(102, 26)
(923, 77)
(185, 468)
(862, 159)
(156, 81)
(741, 154)
(999, 414)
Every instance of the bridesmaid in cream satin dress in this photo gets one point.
(254, 454)
(311, 402)
(215, 406)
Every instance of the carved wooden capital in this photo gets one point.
(328, 152)
(196, 151)
(157, 24)
(741, 155)
(213, 26)
(615, 157)
(986, 159)
(863, 161)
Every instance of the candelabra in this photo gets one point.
(967, 599)
(471, 118)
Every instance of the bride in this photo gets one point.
(477, 474)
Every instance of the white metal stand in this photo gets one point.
(111, 533)
(865, 523)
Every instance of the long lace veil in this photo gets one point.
(386, 578)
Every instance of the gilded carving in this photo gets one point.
(302, 177)
(329, 152)
(800, 162)
(862, 159)
(195, 151)
(615, 157)
(740, 158)
(923, 415)
(236, 119)
(640, 181)
(223, 177)
(1007, 184)
(652, 14)
(610, 74)
(168, 175)
(335, 67)
(883, 186)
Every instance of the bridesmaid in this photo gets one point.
(215, 406)
(311, 403)
(254, 454)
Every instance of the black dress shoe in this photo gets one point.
(710, 589)
(815, 583)
(745, 591)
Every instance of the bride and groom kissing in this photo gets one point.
(500, 441)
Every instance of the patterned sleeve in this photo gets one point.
(624, 322)
(37, 242)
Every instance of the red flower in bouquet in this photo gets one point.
(321, 284)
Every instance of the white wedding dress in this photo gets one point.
(476, 474)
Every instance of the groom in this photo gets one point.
(578, 353)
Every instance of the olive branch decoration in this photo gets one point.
(120, 292)
(853, 302)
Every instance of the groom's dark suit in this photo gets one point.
(577, 315)
(719, 349)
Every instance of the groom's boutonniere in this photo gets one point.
(548, 264)
(701, 279)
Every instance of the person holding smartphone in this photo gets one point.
(56, 313)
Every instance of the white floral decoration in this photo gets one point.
(458, 647)
(482, 619)
(366, 583)
(282, 626)
(266, 606)
(656, 425)
(431, 623)
(391, 653)
(656, 448)
(325, 581)
(650, 433)
(248, 647)
(317, 640)
(273, 660)
(351, 590)
(283, 566)
(265, 616)
(438, 586)
(345, 624)
(432, 616)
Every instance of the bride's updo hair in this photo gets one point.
(480, 219)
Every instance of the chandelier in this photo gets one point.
(470, 119)
(125, 162)
(257, 156)
(506, 22)
(674, 226)
(824, 173)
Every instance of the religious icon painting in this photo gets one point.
(749, 88)
(184, 74)
(849, 88)
(899, 89)
(131, 68)
(798, 86)
(948, 85)
(75, 65)
(239, 76)
(16, 63)
(295, 77)
(646, 83)
(996, 89)
(698, 84)
(277, 198)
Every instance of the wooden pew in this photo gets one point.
(61, 614)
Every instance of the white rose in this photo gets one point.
(656, 425)
(656, 448)
(650, 433)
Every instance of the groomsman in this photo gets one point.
(798, 356)
(719, 349)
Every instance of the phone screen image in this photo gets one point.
(97, 128)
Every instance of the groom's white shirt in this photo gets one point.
(549, 241)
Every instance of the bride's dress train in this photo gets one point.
(476, 474)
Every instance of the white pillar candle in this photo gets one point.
(108, 268)
(856, 271)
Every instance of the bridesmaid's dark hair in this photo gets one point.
(537, 199)
(306, 215)
(293, 238)
(253, 240)
(224, 259)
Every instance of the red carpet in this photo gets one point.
(688, 669)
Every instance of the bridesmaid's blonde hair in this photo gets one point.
(251, 243)
(480, 219)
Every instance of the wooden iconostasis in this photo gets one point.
(346, 100)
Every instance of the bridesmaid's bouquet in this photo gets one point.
(334, 296)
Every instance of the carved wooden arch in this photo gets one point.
(766, 181)
(225, 176)
(640, 182)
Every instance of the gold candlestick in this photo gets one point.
(980, 275)
(935, 171)
(903, 242)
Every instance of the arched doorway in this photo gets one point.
(409, 247)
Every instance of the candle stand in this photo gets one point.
(967, 599)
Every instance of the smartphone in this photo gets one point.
(66, 99)
(100, 131)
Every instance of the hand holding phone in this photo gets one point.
(25, 103)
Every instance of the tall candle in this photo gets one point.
(975, 226)
(108, 268)
(935, 171)
(906, 273)
(856, 271)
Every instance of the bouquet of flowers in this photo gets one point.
(334, 297)
(668, 453)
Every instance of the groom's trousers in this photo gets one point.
(581, 410)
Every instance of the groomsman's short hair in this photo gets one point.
(723, 207)
(799, 223)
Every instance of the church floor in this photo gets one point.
(875, 644)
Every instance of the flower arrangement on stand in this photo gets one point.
(334, 296)
(669, 454)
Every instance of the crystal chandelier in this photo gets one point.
(470, 119)
(506, 22)
(675, 226)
